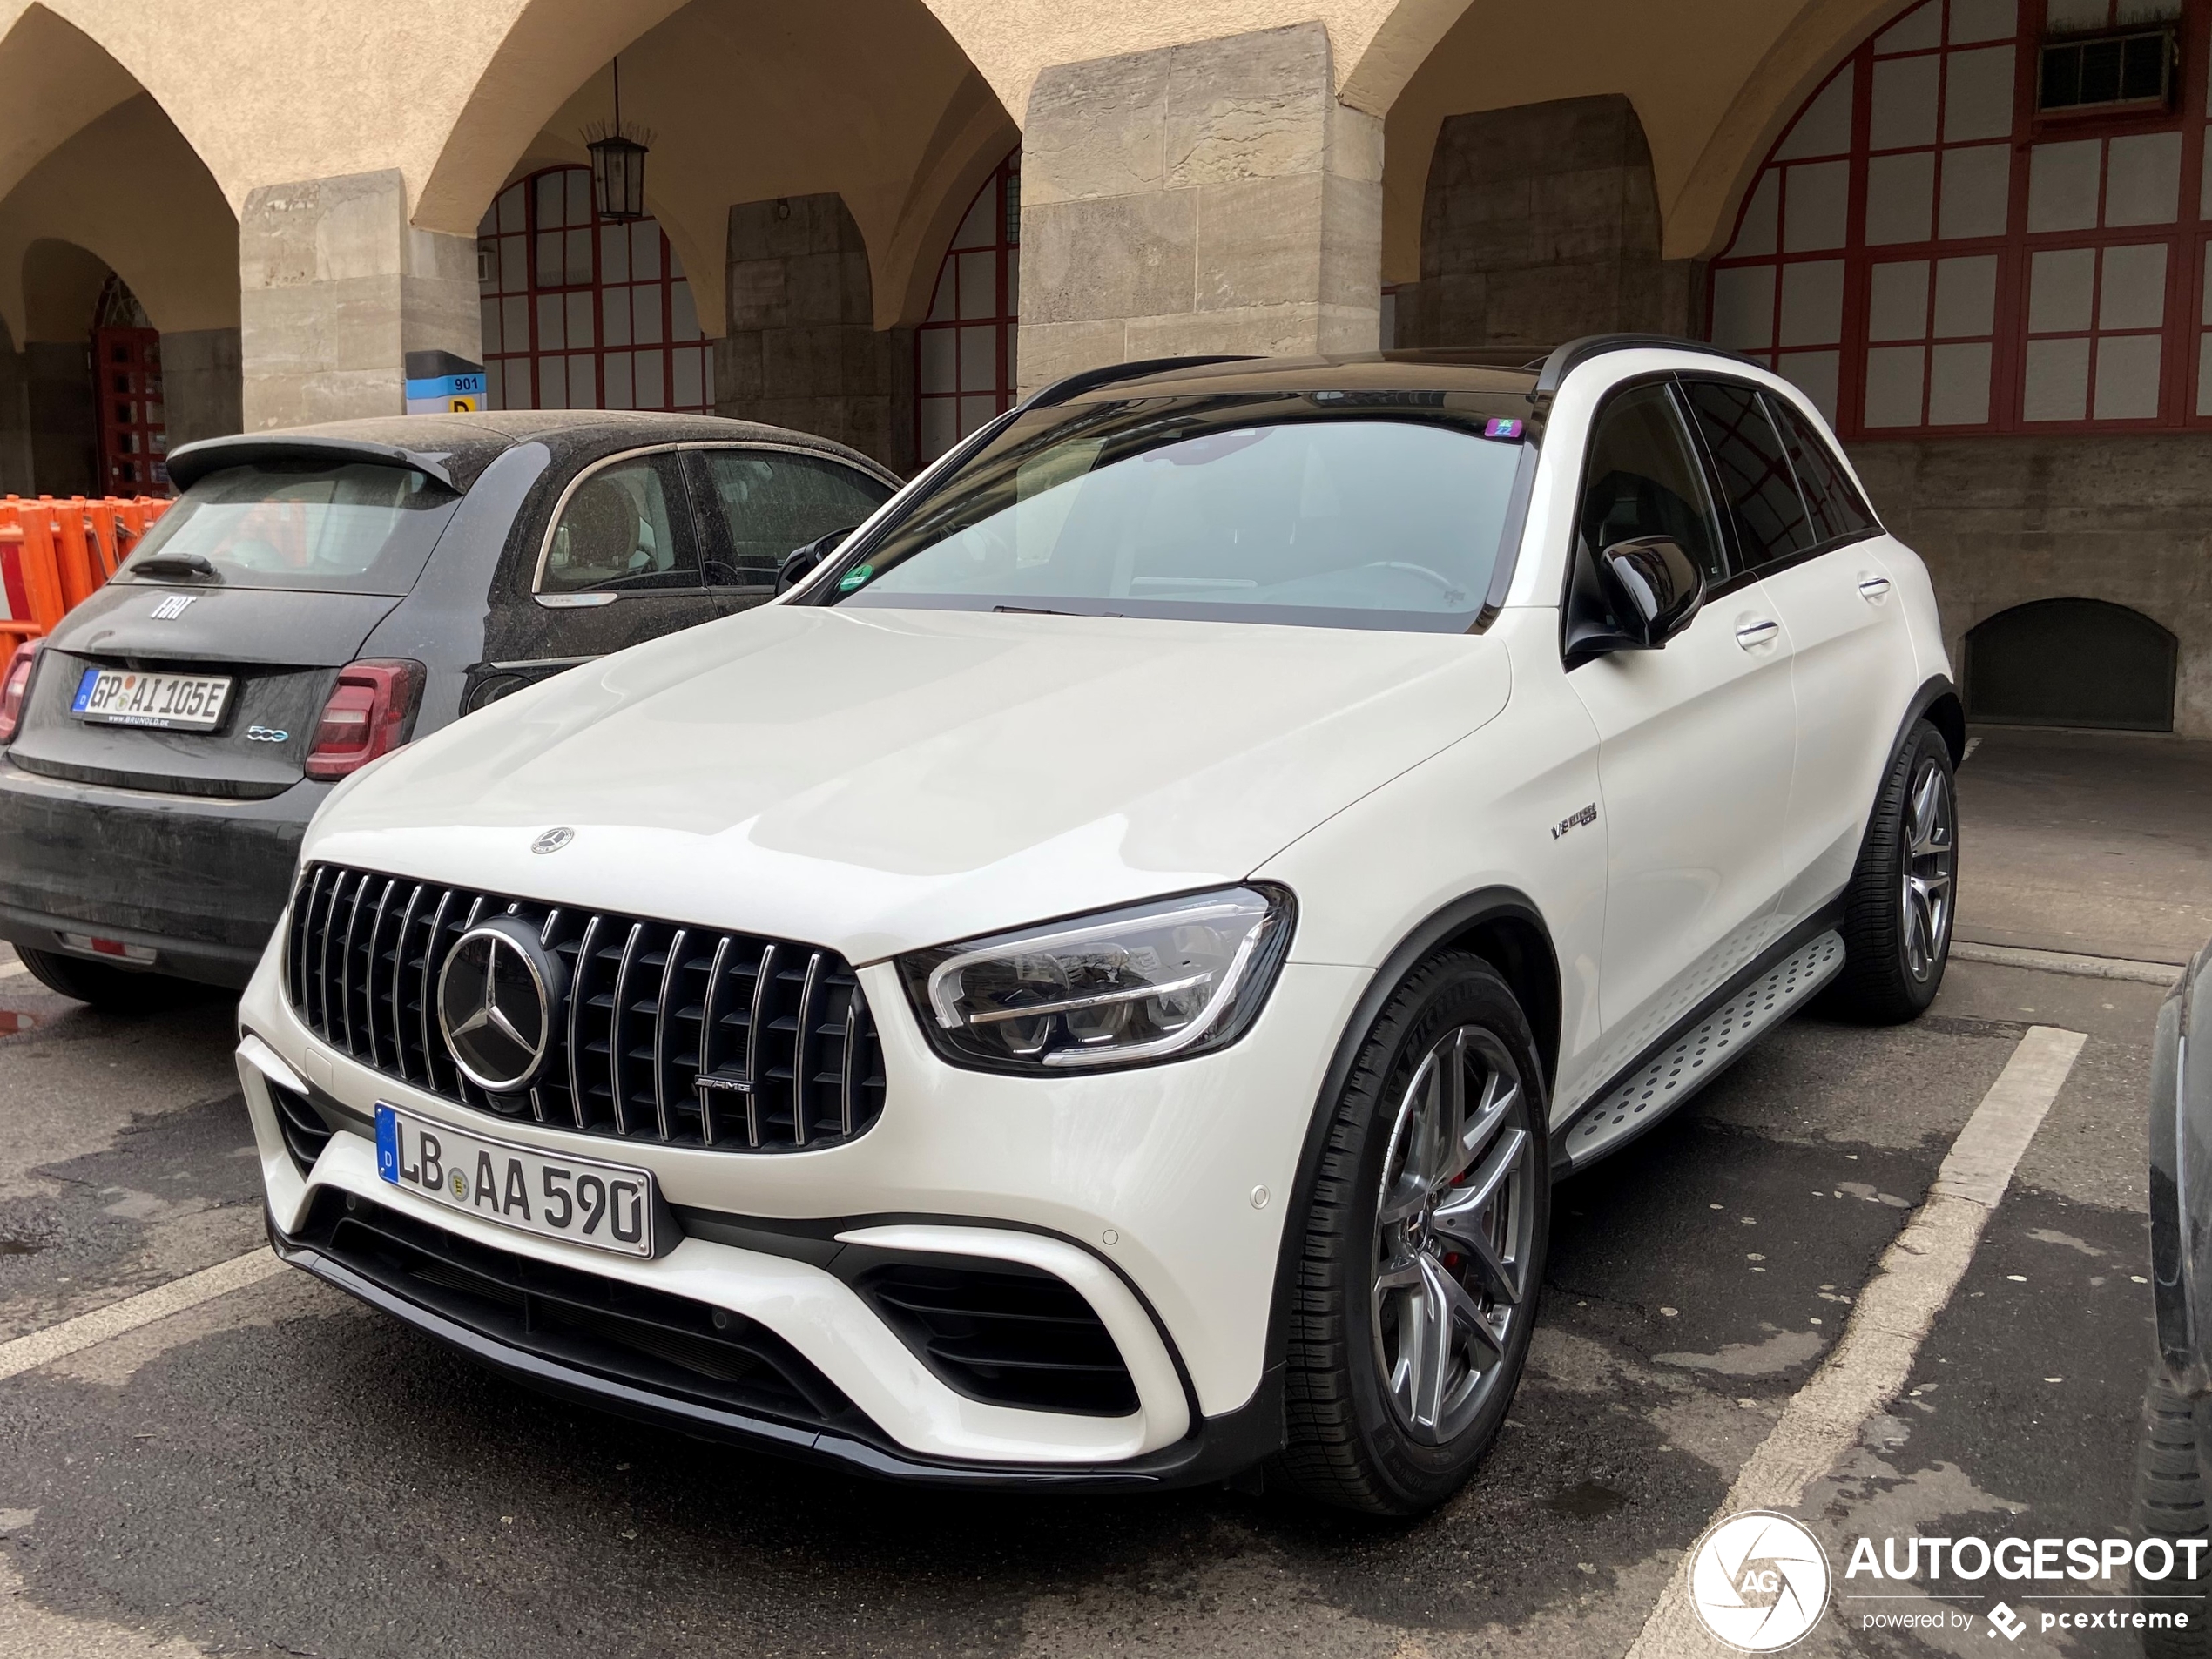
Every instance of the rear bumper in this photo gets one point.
(199, 881)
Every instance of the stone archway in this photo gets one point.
(2071, 662)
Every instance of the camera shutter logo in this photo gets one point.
(496, 996)
(1758, 1580)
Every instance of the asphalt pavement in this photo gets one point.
(277, 1470)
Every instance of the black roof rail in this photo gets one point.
(1572, 355)
(1073, 386)
(190, 463)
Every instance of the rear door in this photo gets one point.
(762, 501)
(1814, 546)
(1696, 740)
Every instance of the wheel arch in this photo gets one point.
(1938, 703)
(1502, 926)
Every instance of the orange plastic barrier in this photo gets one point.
(55, 552)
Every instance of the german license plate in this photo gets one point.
(603, 1206)
(170, 702)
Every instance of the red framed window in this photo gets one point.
(126, 392)
(964, 351)
(582, 313)
(1926, 252)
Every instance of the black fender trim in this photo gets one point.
(1486, 904)
(1936, 689)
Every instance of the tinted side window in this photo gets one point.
(1642, 478)
(1837, 510)
(1755, 476)
(625, 528)
(773, 501)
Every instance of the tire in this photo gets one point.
(1370, 1426)
(1899, 909)
(2171, 1494)
(115, 990)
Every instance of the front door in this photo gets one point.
(1696, 741)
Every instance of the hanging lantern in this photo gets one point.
(618, 166)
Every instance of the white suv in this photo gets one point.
(1094, 986)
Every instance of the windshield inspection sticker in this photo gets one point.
(1504, 428)
(853, 579)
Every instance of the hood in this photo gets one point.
(877, 780)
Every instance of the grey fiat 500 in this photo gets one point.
(319, 598)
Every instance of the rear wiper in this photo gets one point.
(174, 564)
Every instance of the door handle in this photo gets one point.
(1752, 635)
(1871, 587)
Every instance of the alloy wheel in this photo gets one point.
(1929, 858)
(1452, 1234)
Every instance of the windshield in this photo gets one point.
(353, 529)
(1346, 509)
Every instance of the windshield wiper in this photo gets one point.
(174, 564)
(1039, 611)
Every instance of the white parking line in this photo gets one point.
(8, 970)
(1892, 1316)
(56, 1341)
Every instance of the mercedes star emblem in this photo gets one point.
(496, 996)
(553, 841)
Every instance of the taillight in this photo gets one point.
(367, 716)
(14, 686)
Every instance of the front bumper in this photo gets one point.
(1156, 1194)
(198, 881)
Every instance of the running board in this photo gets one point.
(1701, 1053)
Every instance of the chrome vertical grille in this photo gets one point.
(669, 1034)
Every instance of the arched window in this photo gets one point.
(1991, 217)
(581, 314)
(126, 389)
(964, 352)
(2071, 662)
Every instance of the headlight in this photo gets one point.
(1154, 981)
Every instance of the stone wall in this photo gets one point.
(1201, 198)
(201, 384)
(65, 452)
(1540, 224)
(803, 350)
(2002, 521)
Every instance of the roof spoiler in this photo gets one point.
(191, 462)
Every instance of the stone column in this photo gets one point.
(803, 350)
(336, 289)
(1208, 198)
(1539, 224)
(201, 384)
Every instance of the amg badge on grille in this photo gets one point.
(496, 996)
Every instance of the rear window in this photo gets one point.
(355, 529)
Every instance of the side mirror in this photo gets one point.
(1647, 591)
(800, 561)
